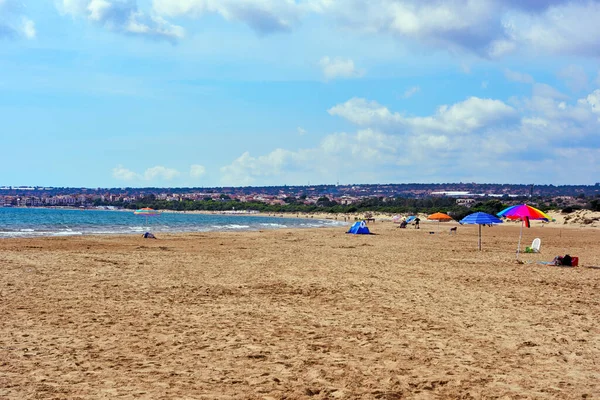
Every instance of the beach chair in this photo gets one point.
(535, 246)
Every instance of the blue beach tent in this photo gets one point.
(359, 228)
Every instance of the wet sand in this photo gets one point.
(300, 314)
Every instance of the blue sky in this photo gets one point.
(114, 93)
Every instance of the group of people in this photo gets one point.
(416, 221)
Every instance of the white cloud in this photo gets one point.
(362, 112)
(123, 174)
(197, 171)
(488, 28)
(160, 172)
(339, 68)
(13, 23)
(410, 92)
(151, 174)
(476, 139)
(464, 117)
(28, 28)
(301, 131)
(592, 101)
(123, 16)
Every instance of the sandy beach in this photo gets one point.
(312, 313)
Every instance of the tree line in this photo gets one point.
(398, 205)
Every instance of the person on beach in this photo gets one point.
(417, 220)
(149, 235)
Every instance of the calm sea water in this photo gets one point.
(31, 222)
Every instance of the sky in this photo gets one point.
(204, 93)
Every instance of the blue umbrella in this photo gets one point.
(480, 218)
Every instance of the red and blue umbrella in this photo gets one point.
(480, 218)
(525, 213)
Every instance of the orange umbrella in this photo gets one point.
(439, 217)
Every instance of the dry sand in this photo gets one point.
(300, 314)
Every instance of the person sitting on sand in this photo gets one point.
(149, 235)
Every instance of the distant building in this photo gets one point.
(465, 202)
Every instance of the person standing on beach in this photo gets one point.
(417, 220)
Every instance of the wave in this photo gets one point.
(273, 225)
(231, 226)
(69, 232)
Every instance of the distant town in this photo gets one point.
(464, 193)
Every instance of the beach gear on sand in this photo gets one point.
(535, 246)
(480, 218)
(559, 261)
(359, 228)
(524, 213)
(439, 217)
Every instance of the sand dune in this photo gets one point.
(300, 314)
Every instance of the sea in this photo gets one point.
(35, 222)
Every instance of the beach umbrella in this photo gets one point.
(410, 219)
(524, 213)
(147, 212)
(480, 218)
(440, 217)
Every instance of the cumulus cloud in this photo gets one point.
(592, 102)
(123, 174)
(13, 23)
(123, 16)
(197, 171)
(475, 139)
(339, 68)
(160, 172)
(151, 174)
(488, 28)
(465, 116)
